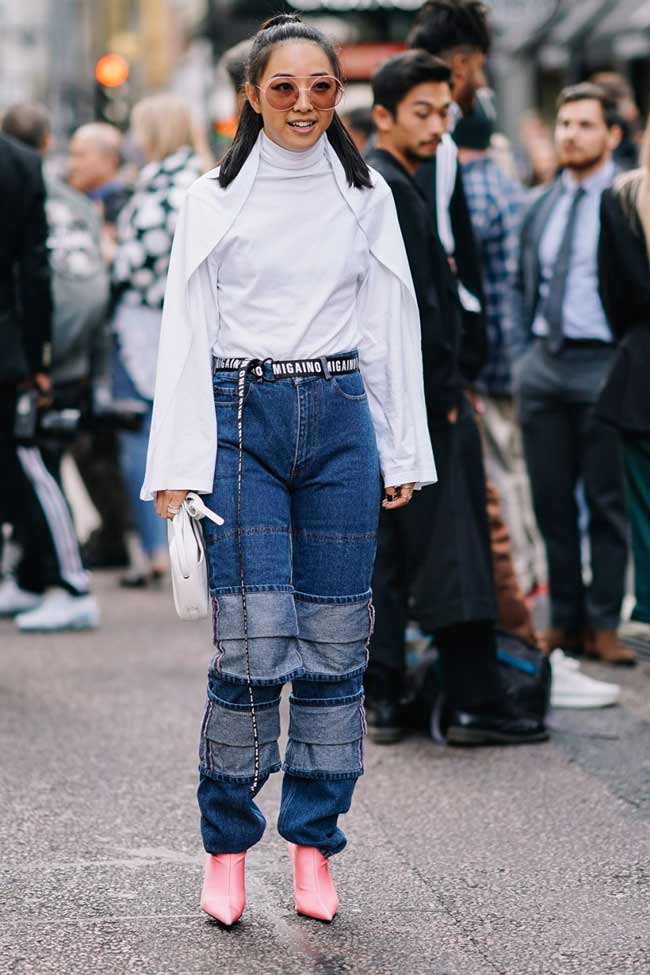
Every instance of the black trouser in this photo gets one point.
(33, 503)
(434, 565)
(566, 445)
(96, 455)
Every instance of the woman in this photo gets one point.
(162, 128)
(625, 401)
(287, 260)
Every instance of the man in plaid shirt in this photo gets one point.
(496, 204)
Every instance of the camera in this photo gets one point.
(63, 423)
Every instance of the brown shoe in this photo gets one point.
(570, 641)
(604, 645)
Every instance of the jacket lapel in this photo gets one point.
(545, 206)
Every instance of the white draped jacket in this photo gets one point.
(183, 440)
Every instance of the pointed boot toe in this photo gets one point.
(313, 886)
(223, 895)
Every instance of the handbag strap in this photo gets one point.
(197, 509)
(185, 524)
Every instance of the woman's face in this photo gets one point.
(301, 63)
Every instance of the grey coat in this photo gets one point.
(526, 286)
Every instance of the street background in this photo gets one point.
(518, 861)
(48, 50)
(450, 870)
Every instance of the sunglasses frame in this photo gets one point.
(314, 80)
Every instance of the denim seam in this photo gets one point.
(236, 591)
(243, 708)
(227, 777)
(324, 702)
(294, 466)
(218, 645)
(306, 597)
(256, 530)
(364, 728)
(204, 734)
(371, 628)
(324, 774)
(333, 678)
(264, 681)
(352, 397)
(335, 536)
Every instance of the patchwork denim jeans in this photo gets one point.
(310, 498)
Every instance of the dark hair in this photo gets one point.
(442, 25)
(588, 92)
(360, 119)
(396, 77)
(235, 60)
(27, 122)
(286, 27)
(615, 84)
(475, 130)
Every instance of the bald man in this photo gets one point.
(94, 157)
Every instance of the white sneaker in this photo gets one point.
(59, 610)
(560, 660)
(15, 600)
(572, 689)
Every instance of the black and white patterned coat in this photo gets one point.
(146, 227)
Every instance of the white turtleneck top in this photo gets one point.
(287, 273)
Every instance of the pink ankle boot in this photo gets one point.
(312, 884)
(223, 896)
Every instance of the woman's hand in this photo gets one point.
(397, 497)
(168, 503)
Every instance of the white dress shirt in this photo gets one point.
(583, 316)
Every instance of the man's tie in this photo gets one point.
(557, 288)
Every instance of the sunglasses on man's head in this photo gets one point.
(282, 92)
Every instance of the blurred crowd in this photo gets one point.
(548, 241)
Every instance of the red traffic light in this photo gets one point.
(111, 71)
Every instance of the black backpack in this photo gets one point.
(525, 673)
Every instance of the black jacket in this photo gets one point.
(435, 288)
(25, 299)
(473, 352)
(525, 293)
(624, 273)
(529, 271)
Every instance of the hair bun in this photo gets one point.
(279, 20)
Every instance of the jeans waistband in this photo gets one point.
(324, 366)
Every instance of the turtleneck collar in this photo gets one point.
(293, 161)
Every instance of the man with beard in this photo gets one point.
(563, 349)
(433, 558)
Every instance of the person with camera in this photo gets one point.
(50, 590)
(80, 367)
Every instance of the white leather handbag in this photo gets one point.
(189, 570)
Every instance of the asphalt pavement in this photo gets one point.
(522, 861)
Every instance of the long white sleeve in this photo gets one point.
(183, 439)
